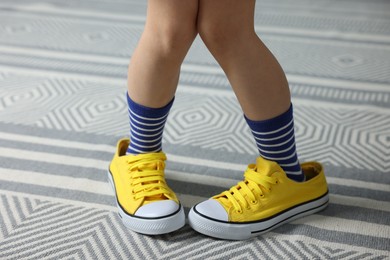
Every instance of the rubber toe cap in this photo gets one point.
(212, 209)
(158, 209)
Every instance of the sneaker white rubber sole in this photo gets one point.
(240, 231)
(150, 226)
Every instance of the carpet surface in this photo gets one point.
(62, 109)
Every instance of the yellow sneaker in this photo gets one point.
(145, 202)
(266, 199)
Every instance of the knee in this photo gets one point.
(223, 37)
(212, 34)
(171, 38)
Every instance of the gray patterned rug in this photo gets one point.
(62, 108)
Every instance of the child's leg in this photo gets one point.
(154, 70)
(266, 198)
(227, 28)
(255, 75)
(145, 202)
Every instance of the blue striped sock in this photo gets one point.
(146, 127)
(276, 142)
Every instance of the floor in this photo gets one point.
(62, 109)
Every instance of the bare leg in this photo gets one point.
(155, 65)
(227, 28)
(255, 75)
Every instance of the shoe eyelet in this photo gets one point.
(262, 196)
(239, 211)
(254, 202)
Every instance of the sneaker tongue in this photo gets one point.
(266, 167)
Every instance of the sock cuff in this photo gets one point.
(149, 112)
(272, 123)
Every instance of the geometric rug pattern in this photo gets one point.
(62, 109)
